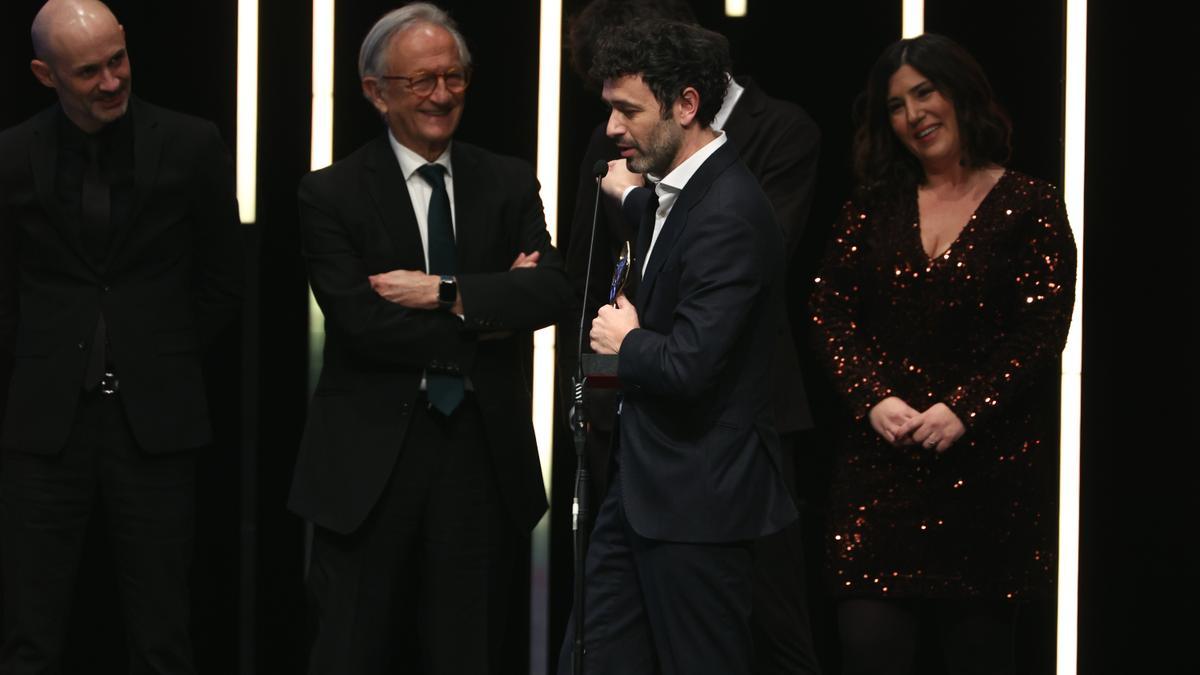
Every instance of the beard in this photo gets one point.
(660, 149)
(100, 110)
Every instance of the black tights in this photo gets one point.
(880, 637)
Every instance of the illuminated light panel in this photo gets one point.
(1075, 113)
(549, 74)
(321, 154)
(322, 84)
(246, 153)
(735, 8)
(912, 18)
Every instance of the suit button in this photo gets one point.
(107, 288)
(81, 345)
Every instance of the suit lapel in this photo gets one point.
(645, 228)
(388, 189)
(147, 151)
(43, 156)
(676, 221)
(470, 220)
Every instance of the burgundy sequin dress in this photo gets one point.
(980, 328)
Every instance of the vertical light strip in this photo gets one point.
(735, 8)
(246, 188)
(549, 74)
(1072, 360)
(321, 152)
(912, 18)
(549, 62)
(247, 110)
(322, 84)
(320, 156)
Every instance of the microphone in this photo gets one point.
(580, 510)
(599, 171)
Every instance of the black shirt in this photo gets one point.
(115, 147)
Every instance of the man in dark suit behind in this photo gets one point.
(779, 143)
(418, 466)
(697, 464)
(120, 260)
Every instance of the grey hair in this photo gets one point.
(374, 46)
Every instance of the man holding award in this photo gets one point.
(697, 458)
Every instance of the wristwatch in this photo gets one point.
(447, 292)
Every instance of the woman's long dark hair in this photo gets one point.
(881, 162)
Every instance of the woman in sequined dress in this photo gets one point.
(941, 310)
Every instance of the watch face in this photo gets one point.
(447, 290)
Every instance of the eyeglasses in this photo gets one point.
(423, 85)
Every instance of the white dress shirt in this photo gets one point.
(420, 191)
(670, 185)
(677, 178)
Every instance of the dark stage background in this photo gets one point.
(249, 609)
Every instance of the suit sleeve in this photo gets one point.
(520, 299)
(9, 304)
(724, 269)
(789, 175)
(374, 330)
(220, 262)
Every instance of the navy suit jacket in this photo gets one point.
(356, 219)
(699, 453)
(779, 143)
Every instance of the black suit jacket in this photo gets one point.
(356, 219)
(699, 453)
(172, 278)
(779, 142)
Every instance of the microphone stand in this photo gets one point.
(580, 502)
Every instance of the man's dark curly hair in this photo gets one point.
(670, 56)
(586, 27)
(880, 159)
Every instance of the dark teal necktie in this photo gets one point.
(444, 390)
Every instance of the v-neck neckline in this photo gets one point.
(916, 206)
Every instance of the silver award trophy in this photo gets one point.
(620, 275)
(601, 369)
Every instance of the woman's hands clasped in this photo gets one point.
(937, 428)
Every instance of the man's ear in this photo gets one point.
(43, 72)
(372, 88)
(687, 106)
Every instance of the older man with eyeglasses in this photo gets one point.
(418, 466)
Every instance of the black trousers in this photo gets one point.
(420, 587)
(779, 620)
(45, 504)
(661, 607)
(880, 637)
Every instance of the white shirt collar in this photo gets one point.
(410, 161)
(732, 94)
(671, 186)
(680, 175)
